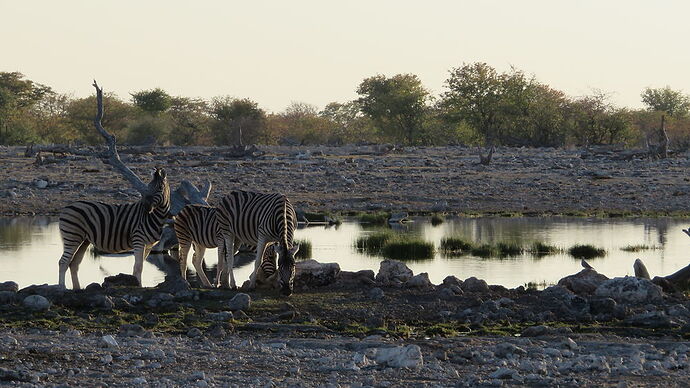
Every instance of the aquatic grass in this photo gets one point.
(509, 249)
(456, 246)
(485, 251)
(638, 248)
(322, 217)
(539, 248)
(437, 219)
(304, 251)
(373, 243)
(408, 248)
(378, 218)
(586, 251)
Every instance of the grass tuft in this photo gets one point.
(304, 252)
(437, 219)
(638, 248)
(456, 246)
(539, 248)
(378, 218)
(586, 251)
(408, 249)
(373, 243)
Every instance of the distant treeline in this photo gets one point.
(478, 106)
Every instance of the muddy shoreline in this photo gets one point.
(370, 178)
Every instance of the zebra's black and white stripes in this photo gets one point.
(114, 228)
(197, 226)
(258, 219)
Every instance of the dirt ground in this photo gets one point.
(366, 178)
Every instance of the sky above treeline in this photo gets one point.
(278, 52)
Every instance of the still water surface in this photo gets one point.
(30, 249)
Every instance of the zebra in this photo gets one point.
(197, 226)
(114, 228)
(257, 219)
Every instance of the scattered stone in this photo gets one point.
(9, 286)
(314, 274)
(107, 341)
(120, 280)
(173, 284)
(392, 272)
(631, 290)
(132, 330)
(475, 285)
(536, 331)
(375, 293)
(194, 333)
(8, 297)
(93, 287)
(651, 319)
(420, 281)
(40, 183)
(36, 303)
(452, 281)
(240, 301)
(503, 374)
(409, 356)
(507, 349)
(584, 282)
(48, 291)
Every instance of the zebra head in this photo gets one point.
(286, 268)
(158, 197)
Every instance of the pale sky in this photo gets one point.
(277, 52)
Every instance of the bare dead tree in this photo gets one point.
(678, 280)
(486, 160)
(658, 150)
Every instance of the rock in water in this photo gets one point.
(583, 282)
(314, 274)
(393, 271)
(409, 356)
(36, 303)
(630, 290)
(240, 301)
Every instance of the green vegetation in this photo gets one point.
(378, 218)
(586, 251)
(485, 251)
(638, 248)
(437, 219)
(479, 105)
(395, 246)
(408, 249)
(456, 246)
(324, 217)
(539, 248)
(304, 251)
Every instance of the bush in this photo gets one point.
(408, 249)
(456, 246)
(586, 251)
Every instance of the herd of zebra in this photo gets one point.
(267, 221)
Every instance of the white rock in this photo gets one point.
(36, 303)
(409, 356)
(315, 274)
(419, 281)
(630, 289)
(393, 270)
(41, 184)
(107, 341)
(138, 381)
(240, 301)
(503, 373)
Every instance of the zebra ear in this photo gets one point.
(292, 251)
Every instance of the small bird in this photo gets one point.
(585, 264)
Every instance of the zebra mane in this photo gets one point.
(285, 226)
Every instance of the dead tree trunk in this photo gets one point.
(186, 194)
(678, 280)
(659, 150)
(486, 160)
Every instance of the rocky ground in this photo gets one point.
(363, 178)
(347, 329)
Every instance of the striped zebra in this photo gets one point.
(196, 226)
(114, 228)
(258, 219)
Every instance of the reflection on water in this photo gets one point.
(31, 247)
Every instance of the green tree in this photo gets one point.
(17, 97)
(116, 118)
(673, 102)
(154, 101)
(190, 121)
(349, 124)
(236, 120)
(597, 121)
(396, 105)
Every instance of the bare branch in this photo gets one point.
(112, 155)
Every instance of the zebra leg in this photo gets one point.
(139, 253)
(220, 267)
(229, 264)
(74, 265)
(69, 248)
(260, 248)
(197, 260)
(182, 257)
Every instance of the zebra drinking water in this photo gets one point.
(114, 228)
(197, 226)
(258, 219)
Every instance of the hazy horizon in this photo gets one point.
(276, 53)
